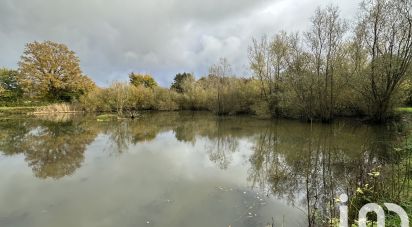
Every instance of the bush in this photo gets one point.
(165, 99)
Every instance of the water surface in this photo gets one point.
(181, 169)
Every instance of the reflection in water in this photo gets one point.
(314, 164)
(51, 148)
(307, 165)
(221, 146)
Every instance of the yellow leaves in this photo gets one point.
(51, 70)
(145, 80)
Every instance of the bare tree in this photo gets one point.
(220, 71)
(268, 60)
(385, 28)
(300, 79)
(260, 58)
(324, 41)
(121, 93)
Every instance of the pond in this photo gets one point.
(182, 169)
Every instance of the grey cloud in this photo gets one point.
(162, 37)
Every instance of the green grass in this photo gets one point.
(7, 110)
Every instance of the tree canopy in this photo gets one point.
(178, 82)
(10, 89)
(144, 80)
(52, 71)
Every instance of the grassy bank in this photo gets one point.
(17, 110)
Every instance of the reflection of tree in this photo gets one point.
(126, 132)
(52, 149)
(221, 134)
(314, 164)
(269, 165)
(222, 143)
(12, 135)
(220, 150)
(306, 164)
(120, 135)
(56, 150)
(186, 132)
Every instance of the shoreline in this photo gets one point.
(40, 111)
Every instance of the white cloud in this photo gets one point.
(162, 37)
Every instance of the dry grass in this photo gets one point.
(56, 108)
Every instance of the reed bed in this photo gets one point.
(57, 108)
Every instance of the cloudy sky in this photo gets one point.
(161, 37)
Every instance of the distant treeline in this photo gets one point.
(330, 70)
